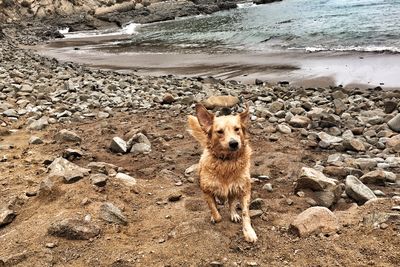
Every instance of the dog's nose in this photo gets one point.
(233, 144)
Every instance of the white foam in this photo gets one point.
(128, 29)
(63, 30)
(391, 49)
(246, 5)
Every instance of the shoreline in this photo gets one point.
(319, 69)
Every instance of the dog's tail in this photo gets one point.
(196, 131)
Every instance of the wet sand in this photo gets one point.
(350, 69)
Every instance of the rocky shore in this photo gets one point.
(97, 170)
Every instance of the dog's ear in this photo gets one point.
(244, 116)
(205, 118)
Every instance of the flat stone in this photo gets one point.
(11, 113)
(39, 124)
(34, 140)
(276, 106)
(99, 179)
(221, 101)
(378, 177)
(126, 179)
(284, 128)
(314, 220)
(268, 187)
(174, 197)
(112, 214)
(140, 148)
(312, 179)
(329, 139)
(6, 216)
(354, 145)
(67, 170)
(67, 136)
(118, 145)
(73, 229)
(255, 213)
(357, 190)
(102, 167)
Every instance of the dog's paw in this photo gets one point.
(216, 219)
(250, 235)
(235, 217)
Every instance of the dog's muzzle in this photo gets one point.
(233, 145)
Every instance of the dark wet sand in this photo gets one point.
(299, 68)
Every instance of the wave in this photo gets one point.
(128, 29)
(376, 49)
(246, 5)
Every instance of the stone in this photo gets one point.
(378, 177)
(314, 220)
(299, 121)
(118, 145)
(168, 99)
(192, 169)
(126, 179)
(357, 190)
(102, 167)
(99, 179)
(256, 204)
(390, 106)
(394, 123)
(73, 229)
(354, 145)
(39, 124)
(140, 148)
(67, 170)
(71, 154)
(112, 214)
(11, 113)
(268, 187)
(329, 139)
(255, 213)
(6, 216)
(227, 101)
(174, 197)
(67, 136)
(393, 141)
(340, 106)
(312, 179)
(34, 140)
(284, 128)
(276, 106)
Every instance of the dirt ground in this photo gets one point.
(163, 233)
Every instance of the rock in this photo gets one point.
(73, 229)
(118, 145)
(140, 148)
(312, 179)
(257, 204)
(255, 213)
(328, 198)
(126, 179)
(354, 145)
(357, 190)
(10, 113)
(276, 106)
(71, 154)
(227, 101)
(102, 167)
(393, 141)
(378, 177)
(268, 187)
(39, 124)
(34, 140)
(99, 179)
(112, 214)
(175, 197)
(284, 129)
(69, 171)
(390, 106)
(299, 121)
(168, 99)
(329, 139)
(314, 220)
(394, 123)
(192, 169)
(6, 216)
(67, 136)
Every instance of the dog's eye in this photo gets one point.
(220, 131)
(237, 129)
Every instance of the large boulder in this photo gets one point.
(315, 180)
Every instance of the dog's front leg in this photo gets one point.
(248, 231)
(235, 217)
(215, 216)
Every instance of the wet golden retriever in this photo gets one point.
(224, 166)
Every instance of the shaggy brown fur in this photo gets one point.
(224, 166)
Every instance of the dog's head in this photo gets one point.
(226, 134)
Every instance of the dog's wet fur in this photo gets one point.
(224, 166)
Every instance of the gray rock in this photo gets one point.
(192, 169)
(390, 106)
(354, 145)
(299, 121)
(118, 145)
(102, 167)
(329, 139)
(10, 113)
(276, 106)
(315, 180)
(140, 148)
(112, 214)
(268, 187)
(394, 123)
(39, 124)
(378, 177)
(284, 128)
(126, 179)
(357, 190)
(99, 179)
(67, 170)
(6, 216)
(67, 136)
(34, 140)
(73, 229)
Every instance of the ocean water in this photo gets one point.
(309, 25)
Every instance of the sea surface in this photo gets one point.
(308, 25)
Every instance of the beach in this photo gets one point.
(98, 168)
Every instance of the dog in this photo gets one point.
(224, 166)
